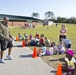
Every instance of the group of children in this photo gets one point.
(63, 47)
(53, 49)
(37, 40)
(70, 62)
(40, 40)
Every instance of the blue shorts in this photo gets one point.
(5, 44)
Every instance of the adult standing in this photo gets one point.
(63, 31)
(5, 40)
(56, 24)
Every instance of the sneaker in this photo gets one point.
(2, 61)
(9, 57)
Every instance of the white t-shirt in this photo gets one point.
(51, 49)
(62, 48)
(56, 48)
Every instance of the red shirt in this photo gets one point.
(42, 40)
(37, 35)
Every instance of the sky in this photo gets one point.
(62, 8)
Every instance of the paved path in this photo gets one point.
(24, 64)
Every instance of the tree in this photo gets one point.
(35, 15)
(49, 14)
(61, 19)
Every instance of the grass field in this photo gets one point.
(53, 34)
(50, 31)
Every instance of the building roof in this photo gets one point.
(19, 18)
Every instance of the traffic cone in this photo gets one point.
(17, 39)
(59, 70)
(23, 43)
(34, 53)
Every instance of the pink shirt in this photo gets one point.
(63, 31)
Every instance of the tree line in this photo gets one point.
(51, 17)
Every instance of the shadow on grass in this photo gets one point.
(54, 60)
(26, 56)
(61, 59)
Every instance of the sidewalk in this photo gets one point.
(24, 64)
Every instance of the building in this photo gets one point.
(48, 22)
(20, 20)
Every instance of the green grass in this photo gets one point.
(53, 34)
(50, 31)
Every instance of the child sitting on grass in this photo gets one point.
(50, 51)
(30, 37)
(42, 51)
(20, 37)
(70, 63)
(26, 42)
(47, 41)
(56, 50)
(61, 48)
